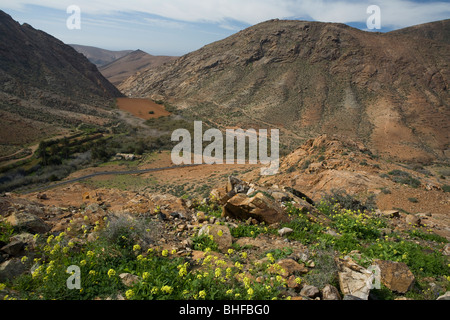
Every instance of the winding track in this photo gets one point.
(104, 173)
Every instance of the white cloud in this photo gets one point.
(398, 13)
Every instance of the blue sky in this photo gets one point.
(176, 27)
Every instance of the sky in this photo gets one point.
(177, 27)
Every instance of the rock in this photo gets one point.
(351, 297)
(330, 292)
(310, 292)
(201, 217)
(288, 267)
(281, 196)
(236, 185)
(129, 279)
(292, 282)
(445, 296)
(446, 250)
(395, 275)
(11, 269)
(13, 248)
(42, 196)
(28, 222)
(259, 207)
(391, 213)
(354, 280)
(285, 231)
(221, 235)
(412, 220)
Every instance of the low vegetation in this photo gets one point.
(120, 245)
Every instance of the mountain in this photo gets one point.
(308, 78)
(98, 56)
(439, 31)
(128, 65)
(47, 86)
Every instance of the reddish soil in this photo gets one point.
(142, 108)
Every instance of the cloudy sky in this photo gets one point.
(176, 27)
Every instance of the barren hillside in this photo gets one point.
(309, 78)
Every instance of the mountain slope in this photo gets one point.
(98, 56)
(46, 85)
(438, 31)
(309, 78)
(134, 62)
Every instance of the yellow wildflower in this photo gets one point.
(164, 253)
(129, 294)
(167, 289)
(111, 273)
(202, 294)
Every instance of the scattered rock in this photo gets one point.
(13, 248)
(446, 250)
(285, 231)
(129, 279)
(330, 292)
(289, 267)
(29, 222)
(41, 196)
(412, 220)
(221, 235)
(292, 283)
(391, 213)
(310, 292)
(11, 269)
(395, 275)
(201, 217)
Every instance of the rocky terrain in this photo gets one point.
(130, 64)
(47, 86)
(292, 236)
(307, 78)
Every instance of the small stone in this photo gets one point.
(289, 267)
(412, 220)
(129, 279)
(391, 213)
(285, 231)
(201, 216)
(330, 292)
(221, 235)
(310, 291)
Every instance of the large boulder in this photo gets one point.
(259, 207)
(354, 280)
(395, 275)
(27, 222)
(11, 269)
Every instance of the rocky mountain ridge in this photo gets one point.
(310, 78)
(46, 85)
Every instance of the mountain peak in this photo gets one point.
(310, 78)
